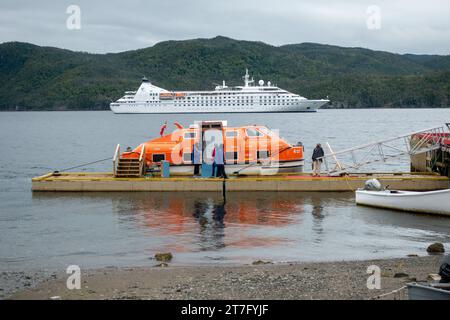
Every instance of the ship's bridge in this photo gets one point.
(146, 92)
(249, 87)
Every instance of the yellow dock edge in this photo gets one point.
(105, 181)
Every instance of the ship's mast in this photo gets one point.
(246, 78)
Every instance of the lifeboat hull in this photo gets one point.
(245, 169)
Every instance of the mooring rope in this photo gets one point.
(84, 164)
(346, 179)
(388, 293)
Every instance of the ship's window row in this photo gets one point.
(200, 95)
(253, 132)
(243, 99)
(231, 134)
(209, 94)
(265, 103)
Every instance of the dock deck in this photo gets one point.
(105, 181)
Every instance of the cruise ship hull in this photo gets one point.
(162, 108)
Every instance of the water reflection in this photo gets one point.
(318, 217)
(212, 221)
(202, 227)
(210, 217)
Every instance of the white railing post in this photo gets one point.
(116, 156)
(141, 158)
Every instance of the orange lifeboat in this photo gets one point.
(180, 95)
(250, 150)
(166, 96)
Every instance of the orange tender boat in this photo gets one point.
(249, 150)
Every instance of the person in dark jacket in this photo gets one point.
(196, 158)
(317, 159)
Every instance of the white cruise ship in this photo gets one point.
(240, 99)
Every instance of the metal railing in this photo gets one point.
(337, 163)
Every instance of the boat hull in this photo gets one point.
(435, 202)
(246, 169)
(167, 107)
(418, 291)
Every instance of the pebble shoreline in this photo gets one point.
(321, 280)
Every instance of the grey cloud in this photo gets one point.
(113, 26)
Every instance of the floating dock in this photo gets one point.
(91, 182)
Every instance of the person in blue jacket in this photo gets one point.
(219, 161)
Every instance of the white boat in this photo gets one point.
(259, 98)
(437, 202)
(428, 291)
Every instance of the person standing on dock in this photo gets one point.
(196, 158)
(219, 161)
(317, 159)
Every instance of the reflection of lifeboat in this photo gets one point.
(173, 212)
(250, 150)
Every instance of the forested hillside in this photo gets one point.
(45, 78)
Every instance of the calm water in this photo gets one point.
(53, 230)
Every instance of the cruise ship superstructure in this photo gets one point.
(263, 97)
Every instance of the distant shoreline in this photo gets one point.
(330, 108)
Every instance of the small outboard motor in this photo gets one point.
(444, 270)
(373, 185)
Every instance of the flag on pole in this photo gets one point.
(179, 126)
(161, 132)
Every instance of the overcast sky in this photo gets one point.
(113, 26)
